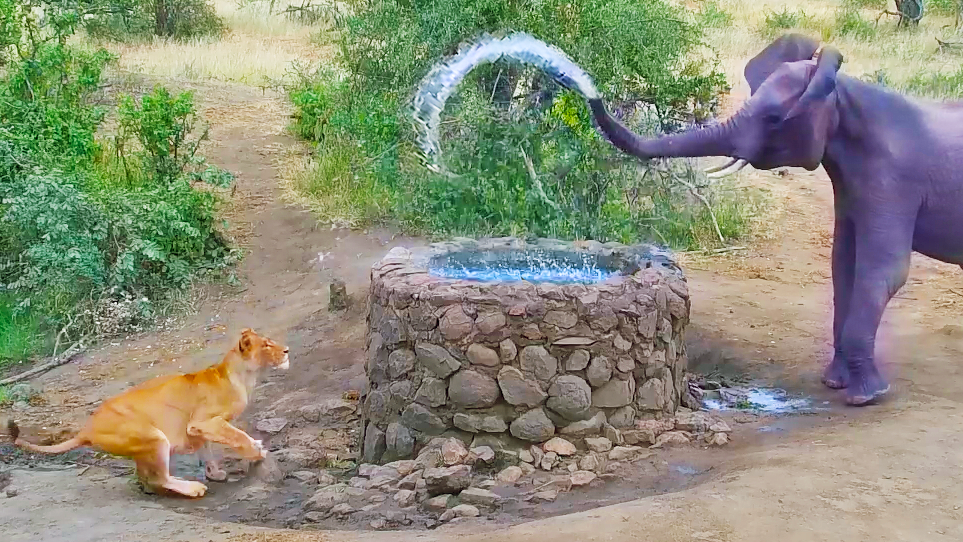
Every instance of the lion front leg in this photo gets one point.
(218, 430)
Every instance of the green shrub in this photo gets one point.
(943, 7)
(523, 155)
(850, 22)
(94, 232)
(713, 16)
(936, 85)
(777, 22)
(135, 20)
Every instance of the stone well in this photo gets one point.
(506, 359)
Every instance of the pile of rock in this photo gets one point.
(518, 361)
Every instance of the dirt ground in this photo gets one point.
(885, 472)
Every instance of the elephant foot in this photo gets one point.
(836, 375)
(865, 389)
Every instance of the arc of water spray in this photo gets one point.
(436, 87)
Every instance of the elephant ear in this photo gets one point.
(786, 48)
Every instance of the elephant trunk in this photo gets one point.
(713, 141)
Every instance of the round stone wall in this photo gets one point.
(510, 363)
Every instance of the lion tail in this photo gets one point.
(65, 446)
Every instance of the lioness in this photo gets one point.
(179, 414)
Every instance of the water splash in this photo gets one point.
(530, 265)
(771, 400)
(441, 81)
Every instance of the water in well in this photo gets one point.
(532, 265)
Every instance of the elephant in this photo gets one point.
(896, 166)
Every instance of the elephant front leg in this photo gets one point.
(836, 375)
(883, 248)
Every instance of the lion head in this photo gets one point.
(267, 353)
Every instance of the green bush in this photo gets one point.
(94, 232)
(777, 22)
(850, 22)
(522, 153)
(135, 20)
(714, 16)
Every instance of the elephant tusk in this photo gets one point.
(728, 170)
(722, 167)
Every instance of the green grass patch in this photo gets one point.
(21, 332)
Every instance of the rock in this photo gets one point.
(429, 458)
(518, 390)
(490, 321)
(436, 359)
(622, 417)
(403, 467)
(471, 389)
(545, 496)
(433, 392)
(599, 371)
(337, 408)
(507, 351)
(509, 475)
(455, 324)
(337, 296)
(481, 497)
(342, 509)
(371, 470)
(535, 360)
(625, 453)
(252, 493)
(533, 426)
(482, 453)
(399, 442)
(574, 341)
(381, 482)
(419, 418)
(562, 319)
(376, 406)
(410, 481)
(583, 478)
(537, 454)
(405, 498)
(268, 470)
(622, 345)
(442, 480)
(482, 355)
(325, 479)
(671, 438)
(299, 458)
(326, 498)
(310, 413)
(315, 517)
(304, 476)
(584, 428)
(599, 444)
(378, 524)
(400, 362)
(560, 446)
(527, 469)
(651, 396)
(453, 452)
(720, 426)
(570, 397)
(625, 365)
(271, 425)
(374, 444)
(479, 423)
(694, 422)
(439, 503)
(526, 456)
(589, 462)
(465, 511)
(615, 393)
(549, 460)
(718, 439)
(577, 361)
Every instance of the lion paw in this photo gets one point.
(258, 451)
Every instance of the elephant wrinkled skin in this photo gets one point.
(895, 165)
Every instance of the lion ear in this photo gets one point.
(247, 341)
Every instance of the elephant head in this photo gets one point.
(787, 120)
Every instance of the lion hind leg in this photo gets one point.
(153, 466)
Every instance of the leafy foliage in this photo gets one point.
(127, 20)
(523, 154)
(87, 223)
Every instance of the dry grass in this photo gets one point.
(260, 48)
(899, 53)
